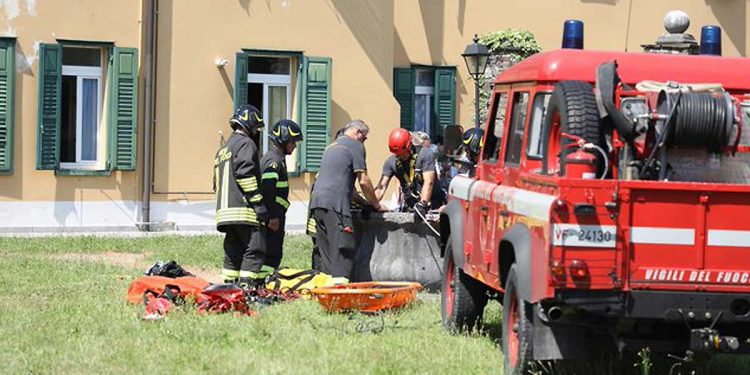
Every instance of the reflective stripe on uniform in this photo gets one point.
(252, 275)
(267, 269)
(282, 184)
(236, 214)
(282, 202)
(256, 198)
(225, 187)
(270, 176)
(311, 226)
(229, 275)
(248, 184)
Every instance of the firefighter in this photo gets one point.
(240, 210)
(274, 186)
(343, 162)
(471, 147)
(414, 167)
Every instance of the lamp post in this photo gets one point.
(476, 55)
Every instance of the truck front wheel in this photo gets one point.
(517, 327)
(462, 298)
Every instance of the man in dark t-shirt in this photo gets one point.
(414, 168)
(343, 162)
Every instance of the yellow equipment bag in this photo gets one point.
(301, 281)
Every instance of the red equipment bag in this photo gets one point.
(188, 286)
(223, 298)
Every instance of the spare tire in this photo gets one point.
(574, 103)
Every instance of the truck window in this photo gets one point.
(517, 121)
(495, 132)
(538, 111)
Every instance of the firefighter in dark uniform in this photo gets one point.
(343, 162)
(274, 185)
(471, 147)
(240, 210)
(414, 168)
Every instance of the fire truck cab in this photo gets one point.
(610, 207)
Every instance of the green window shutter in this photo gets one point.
(240, 80)
(316, 110)
(445, 98)
(403, 90)
(123, 108)
(7, 79)
(48, 114)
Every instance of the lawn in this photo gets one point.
(63, 311)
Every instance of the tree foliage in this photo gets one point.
(507, 47)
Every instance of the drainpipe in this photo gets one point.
(148, 112)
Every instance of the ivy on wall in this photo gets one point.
(506, 47)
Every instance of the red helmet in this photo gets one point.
(399, 141)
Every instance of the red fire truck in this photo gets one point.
(610, 208)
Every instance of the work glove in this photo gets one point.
(420, 211)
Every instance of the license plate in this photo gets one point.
(574, 235)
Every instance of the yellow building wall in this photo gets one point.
(194, 97)
(34, 22)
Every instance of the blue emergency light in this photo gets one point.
(711, 40)
(573, 34)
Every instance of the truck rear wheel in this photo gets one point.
(517, 328)
(462, 298)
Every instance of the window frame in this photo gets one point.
(512, 129)
(275, 80)
(81, 73)
(10, 46)
(119, 110)
(532, 123)
(490, 127)
(408, 103)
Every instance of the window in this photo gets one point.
(494, 139)
(73, 134)
(427, 96)
(81, 109)
(424, 101)
(269, 80)
(538, 111)
(517, 121)
(270, 90)
(7, 80)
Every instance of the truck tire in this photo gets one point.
(574, 104)
(462, 298)
(517, 328)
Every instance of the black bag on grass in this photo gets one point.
(167, 269)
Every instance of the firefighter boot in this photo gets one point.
(249, 284)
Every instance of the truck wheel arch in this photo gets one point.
(452, 229)
(515, 247)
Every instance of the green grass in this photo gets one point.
(70, 316)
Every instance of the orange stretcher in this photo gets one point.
(366, 296)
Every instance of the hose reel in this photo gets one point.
(700, 120)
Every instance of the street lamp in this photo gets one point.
(476, 55)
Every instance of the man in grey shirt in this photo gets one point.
(343, 163)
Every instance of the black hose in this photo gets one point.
(702, 120)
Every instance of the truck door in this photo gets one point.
(502, 217)
(488, 179)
